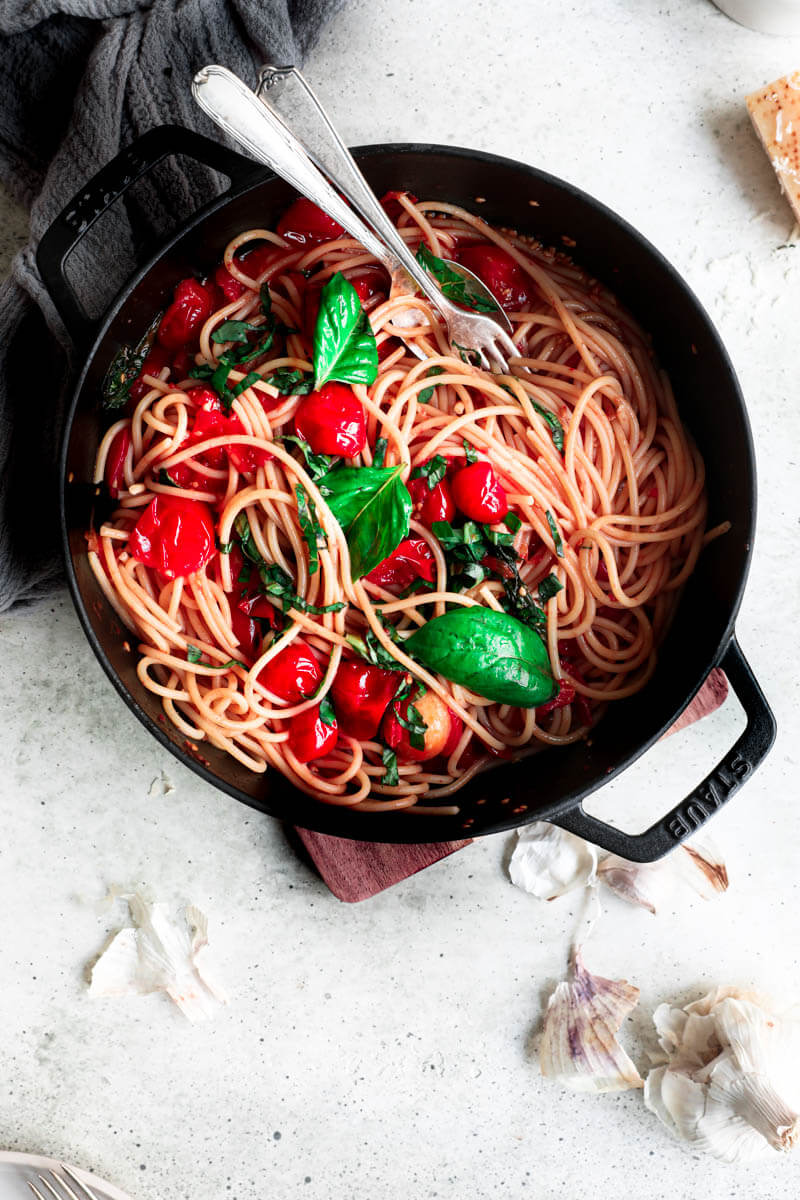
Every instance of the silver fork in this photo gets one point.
(67, 1191)
(257, 127)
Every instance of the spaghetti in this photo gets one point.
(566, 495)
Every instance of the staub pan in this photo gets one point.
(552, 785)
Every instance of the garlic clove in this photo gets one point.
(548, 861)
(696, 864)
(579, 1048)
(158, 954)
(731, 1084)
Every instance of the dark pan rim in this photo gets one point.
(410, 828)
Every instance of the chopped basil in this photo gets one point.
(557, 539)
(326, 711)
(472, 357)
(454, 286)
(265, 300)
(225, 547)
(193, 655)
(317, 464)
(371, 650)
(245, 535)
(426, 395)
(379, 453)
(312, 531)
(233, 331)
(391, 778)
(520, 603)
(166, 479)
(291, 382)
(124, 368)
(279, 586)
(512, 522)
(344, 344)
(470, 452)
(413, 723)
(373, 507)
(433, 471)
(553, 424)
(549, 587)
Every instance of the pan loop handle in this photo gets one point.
(715, 790)
(103, 190)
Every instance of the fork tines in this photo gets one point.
(67, 1192)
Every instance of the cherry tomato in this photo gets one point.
(157, 359)
(369, 283)
(435, 715)
(231, 288)
(478, 494)
(504, 277)
(391, 205)
(305, 224)
(410, 561)
(456, 730)
(310, 737)
(210, 421)
(293, 675)
(175, 535)
(565, 695)
(182, 363)
(432, 504)
(360, 694)
(310, 306)
(115, 460)
(332, 421)
(247, 634)
(192, 305)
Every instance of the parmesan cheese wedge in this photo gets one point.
(775, 112)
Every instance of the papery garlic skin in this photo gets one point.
(731, 1083)
(157, 954)
(696, 864)
(548, 862)
(579, 1048)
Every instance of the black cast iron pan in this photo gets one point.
(552, 785)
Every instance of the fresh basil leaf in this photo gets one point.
(344, 344)
(326, 711)
(453, 285)
(433, 471)
(391, 777)
(233, 331)
(413, 723)
(244, 533)
(265, 300)
(318, 464)
(557, 539)
(553, 424)
(201, 371)
(470, 451)
(371, 650)
(379, 453)
(512, 522)
(291, 382)
(520, 603)
(311, 529)
(549, 587)
(373, 507)
(193, 655)
(426, 395)
(491, 653)
(468, 544)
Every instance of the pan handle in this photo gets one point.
(111, 182)
(718, 786)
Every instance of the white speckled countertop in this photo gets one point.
(384, 1050)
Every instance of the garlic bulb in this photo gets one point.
(696, 864)
(158, 955)
(548, 861)
(579, 1047)
(731, 1084)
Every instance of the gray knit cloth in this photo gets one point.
(83, 78)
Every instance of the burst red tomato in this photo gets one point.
(305, 224)
(434, 714)
(360, 694)
(432, 504)
(478, 493)
(175, 535)
(565, 695)
(292, 675)
(192, 305)
(310, 737)
(332, 421)
(504, 277)
(115, 460)
(411, 560)
(392, 206)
